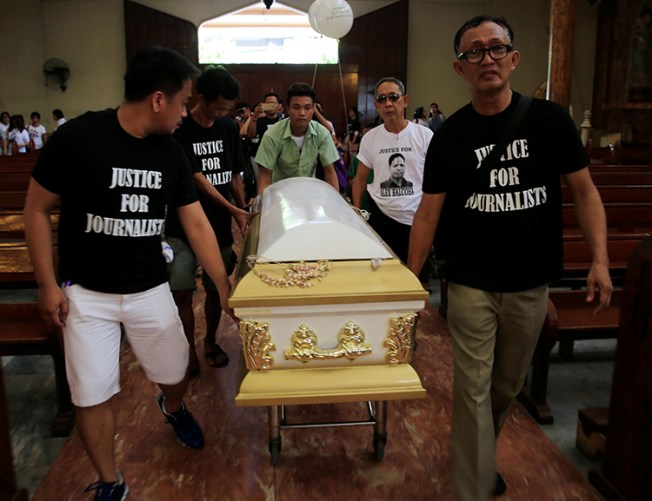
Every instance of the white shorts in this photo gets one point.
(92, 340)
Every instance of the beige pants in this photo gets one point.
(494, 337)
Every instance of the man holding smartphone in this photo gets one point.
(264, 116)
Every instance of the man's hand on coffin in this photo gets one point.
(242, 217)
(224, 301)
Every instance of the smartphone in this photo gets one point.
(268, 106)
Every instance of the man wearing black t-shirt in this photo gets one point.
(501, 238)
(212, 141)
(114, 175)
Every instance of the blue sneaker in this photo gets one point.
(109, 491)
(188, 432)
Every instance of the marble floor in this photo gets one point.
(538, 462)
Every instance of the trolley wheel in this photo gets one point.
(380, 439)
(275, 450)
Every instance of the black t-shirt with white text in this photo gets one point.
(115, 190)
(500, 229)
(215, 152)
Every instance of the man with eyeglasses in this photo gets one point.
(395, 151)
(501, 235)
(211, 140)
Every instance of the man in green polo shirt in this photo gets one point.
(292, 147)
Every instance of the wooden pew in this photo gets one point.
(621, 176)
(15, 265)
(627, 462)
(12, 199)
(14, 181)
(23, 331)
(8, 185)
(578, 258)
(622, 217)
(620, 153)
(16, 175)
(17, 167)
(569, 318)
(20, 159)
(12, 226)
(614, 193)
(24, 168)
(620, 168)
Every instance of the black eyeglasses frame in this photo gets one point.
(465, 55)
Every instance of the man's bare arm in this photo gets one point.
(330, 176)
(38, 232)
(204, 243)
(359, 184)
(423, 230)
(593, 223)
(264, 178)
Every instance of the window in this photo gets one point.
(256, 35)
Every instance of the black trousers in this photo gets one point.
(393, 233)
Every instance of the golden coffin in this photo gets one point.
(328, 313)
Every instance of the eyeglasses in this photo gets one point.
(392, 96)
(496, 52)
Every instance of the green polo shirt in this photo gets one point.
(279, 153)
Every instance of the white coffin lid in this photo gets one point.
(305, 219)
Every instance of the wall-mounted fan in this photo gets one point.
(56, 73)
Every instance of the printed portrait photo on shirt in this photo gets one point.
(396, 184)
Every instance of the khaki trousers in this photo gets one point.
(494, 337)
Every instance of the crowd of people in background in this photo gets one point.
(255, 120)
(16, 137)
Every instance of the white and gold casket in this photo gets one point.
(328, 312)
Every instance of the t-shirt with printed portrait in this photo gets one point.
(397, 163)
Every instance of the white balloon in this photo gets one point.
(333, 17)
(311, 15)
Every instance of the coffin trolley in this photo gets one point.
(328, 313)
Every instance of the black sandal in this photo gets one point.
(217, 357)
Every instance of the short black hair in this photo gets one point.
(156, 69)
(215, 82)
(394, 157)
(242, 105)
(274, 94)
(300, 89)
(57, 113)
(477, 21)
(35, 114)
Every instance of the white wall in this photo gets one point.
(89, 36)
(86, 34)
(430, 56)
